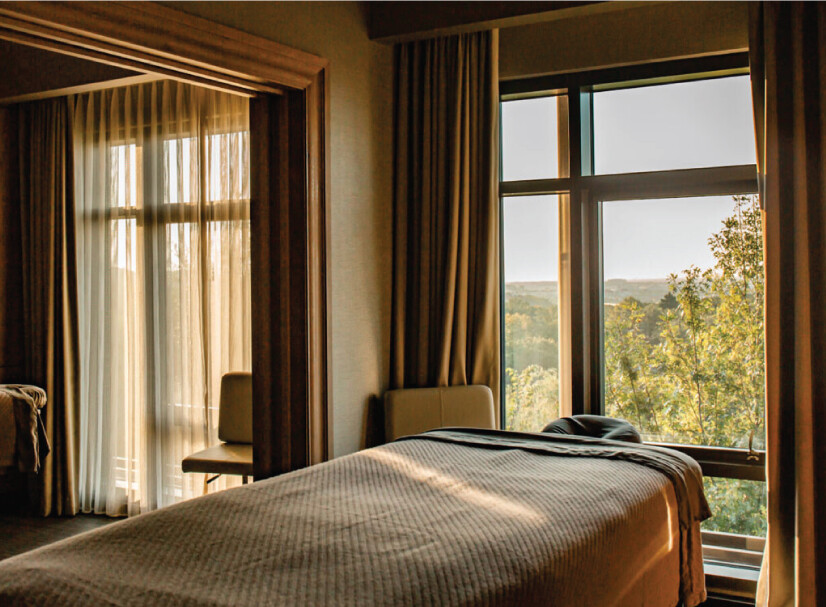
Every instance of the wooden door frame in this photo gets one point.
(290, 173)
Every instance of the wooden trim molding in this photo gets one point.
(152, 37)
(79, 89)
(289, 219)
(724, 462)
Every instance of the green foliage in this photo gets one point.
(531, 362)
(686, 368)
(738, 506)
(702, 367)
(531, 329)
(532, 398)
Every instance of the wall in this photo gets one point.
(361, 185)
(638, 34)
(11, 265)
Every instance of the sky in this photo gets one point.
(675, 126)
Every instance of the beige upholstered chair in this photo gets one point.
(418, 409)
(234, 454)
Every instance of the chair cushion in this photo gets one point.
(235, 408)
(226, 458)
(416, 410)
(597, 426)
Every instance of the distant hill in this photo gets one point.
(616, 290)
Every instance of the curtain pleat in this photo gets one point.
(788, 64)
(162, 182)
(50, 292)
(445, 318)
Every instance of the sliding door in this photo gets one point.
(162, 175)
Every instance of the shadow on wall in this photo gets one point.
(373, 423)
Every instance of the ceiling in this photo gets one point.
(392, 22)
(28, 70)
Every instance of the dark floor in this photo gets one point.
(23, 533)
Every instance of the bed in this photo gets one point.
(447, 517)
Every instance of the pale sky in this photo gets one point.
(683, 125)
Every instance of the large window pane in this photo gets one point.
(683, 319)
(183, 167)
(531, 147)
(683, 125)
(182, 170)
(531, 269)
(124, 175)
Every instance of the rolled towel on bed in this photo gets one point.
(596, 426)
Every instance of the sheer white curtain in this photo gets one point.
(162, 205)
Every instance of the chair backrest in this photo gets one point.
(235, 408)
(418, 409)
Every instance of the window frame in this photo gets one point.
(582, 298)
(586, 191)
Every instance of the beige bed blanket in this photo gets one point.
(22, 439)
(445, 518)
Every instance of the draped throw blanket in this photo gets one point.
(27, 445)
(445, 319)
(50, 292)
(788, 66)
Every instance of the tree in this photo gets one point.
(688, 368)
(629, 384)
(531, 362)
(704, 376)
(531, 398)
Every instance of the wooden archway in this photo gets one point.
(290, 234)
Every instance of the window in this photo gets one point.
(531, 344)
(632, 269)
(683, 318)
(164, 282)
(534, 133)
(681, 125)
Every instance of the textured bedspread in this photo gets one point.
(445, 518)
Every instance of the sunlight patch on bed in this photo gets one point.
(456, 488)
(661, 543)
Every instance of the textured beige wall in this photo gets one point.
(661, 30)
(361, 114)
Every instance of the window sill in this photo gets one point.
(731, 581)
(724, 462)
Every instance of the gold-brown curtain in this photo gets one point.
(788, 66)
(445, 319)
(50, 292)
